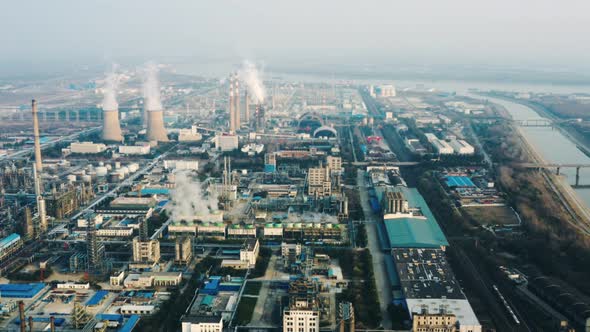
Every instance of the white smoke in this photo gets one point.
(188, 200)
(109, 90)
(250, 74)
(151, 88)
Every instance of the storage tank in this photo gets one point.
(71, 178)
(86, 178)
(133, 167)
(117, 164)
(101, 171)
(125, 170)
(109, 167)
(101, 163)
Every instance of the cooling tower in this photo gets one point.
(111, 129)
(155, 128)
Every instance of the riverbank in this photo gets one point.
(570, 199)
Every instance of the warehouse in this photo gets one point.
(25, 291)
(419, 230)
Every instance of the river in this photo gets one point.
(551, 144)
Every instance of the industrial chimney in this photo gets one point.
(111, 129)
(247, 101)
(42, 226)
(155, 129)
(237, 103)
(232, 120)
(38, 162)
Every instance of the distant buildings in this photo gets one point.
(248, 255)
(87, 147)
(226, 142)
(9, 245)
(319, 182)
(142, 149)
(181, 164)
(183, 250)
(146, 251)
(189, 135)
(454, 146)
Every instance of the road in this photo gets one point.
(379, 265)
(127, 182)
(26, 151)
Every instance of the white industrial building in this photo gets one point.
(115, 232)
(440, 146)
(181, 164)
(202, 323)
(384, 91)
(142, 149)
(301, 320)
(87, 147)
(459, 307)
(189, 135)
(462, 147)
(226, 142)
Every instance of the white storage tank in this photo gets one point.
(133, 167)
(117, 164)
(86, 178)
(109, 167)
(71, 178)
(101, 171)
(125, 170)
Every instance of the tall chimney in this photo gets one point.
(237, 114)
(30, 323)
(232, 115)
(247, 101)
(21, 312)
(41, 225)
(38, 162)
(52, 324)
(111, 128)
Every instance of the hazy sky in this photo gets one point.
(496, 32)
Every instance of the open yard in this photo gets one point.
(491, 215)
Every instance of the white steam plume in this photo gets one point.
(188, 200)
(151, 88)
(250, 74)
(109, 90)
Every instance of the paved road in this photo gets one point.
(379, 265)
(24, 152)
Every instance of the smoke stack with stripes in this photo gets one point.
(41, 227)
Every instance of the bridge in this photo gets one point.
(543, 122)
(394, 164)
(557, 167)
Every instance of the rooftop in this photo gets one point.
(425, 274)
(415, 232)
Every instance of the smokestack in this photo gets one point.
(52, 324)
(30, 323)
(247, 100)
(111, 129)
(21, 311)
(232, 120)
(237, 114)
(41, 210)
(155, 129)
(38, 162)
